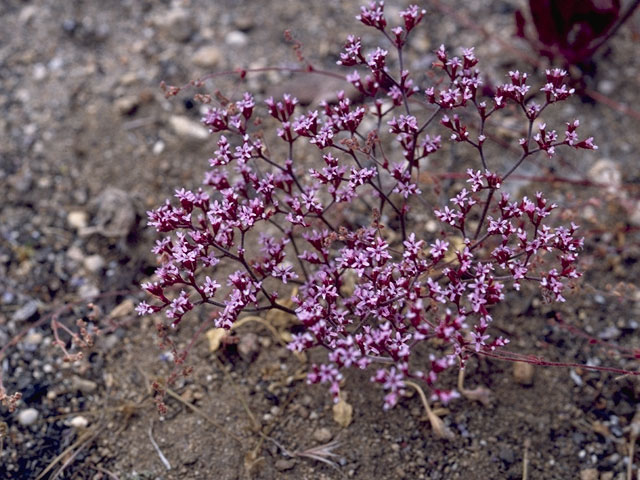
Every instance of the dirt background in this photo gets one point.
(88, 143)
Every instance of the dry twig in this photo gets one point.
(80, 443)
(163, 459)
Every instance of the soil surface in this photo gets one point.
(89, 143)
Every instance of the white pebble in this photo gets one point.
(33, 339)
(79, 422)
(78, 219)
(94, 263)
(188, 128)
(158, 147)
(28, 417)
(236, 38)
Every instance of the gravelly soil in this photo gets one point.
(89, 143)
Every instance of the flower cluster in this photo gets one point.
(370, 291)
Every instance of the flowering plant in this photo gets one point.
(372, 289)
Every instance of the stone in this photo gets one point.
(244, 22)
(606, 172)
(507, 455)
(39, 72)
(186, 128)
(33, 339)
(27, 14)
(127, 105)
(75, 254)
(94, 263)
(28, 416)
(128, 79)
(25, 312)
(322, 435)
(79, 422)
(606, 87)
(589, 474)
(123, 309)
(115, 214)
(77, 219)
(158, 147)
(343, 413)
(88, 292)
(523, 373)
(207, 57)
(82, 384)
(249, 346)
(177, 23)
(236, 38)
(283, 465)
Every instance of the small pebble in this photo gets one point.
(116, 214)
(610, 333)
(589, 474)
(577, 379)
(78, 219)
(607, 173)
(28, 13)
(599, 299)
(236, 38)
(283, 465)
(123, 309)
(523, 373)
(28, 417)
(187, 128)
(128, 78)
(79, 422)
(33, 339)
(127, 105)
(25, 312)
(76, 254)
(94, 263)
(244, 22)
(82, 384)
(88, 292)
(249, 346)
(207, 57)
(322, 435)
(177, 22)
(158, 147)
(606, 87)
(507, 455)
(39, 72)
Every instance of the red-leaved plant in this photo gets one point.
(572, 31)
(367, 293)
